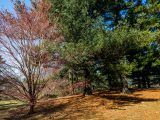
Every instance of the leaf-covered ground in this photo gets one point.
(103, 105)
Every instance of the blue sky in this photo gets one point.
(6, 4)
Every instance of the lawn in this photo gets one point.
(103, 105)
(6, 106)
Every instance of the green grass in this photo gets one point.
(8, 104)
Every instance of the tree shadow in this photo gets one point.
(78, 106)
(144, 89)
(51, 109)
(121, 100)
(43, 111)
(101, 92)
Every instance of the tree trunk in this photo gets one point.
(109, 82)
(144, 82)
(125, 88)
(31, 109)
(72, 87)
(148, 82)
(87, 90)
(87, 87)
(32, 106)
(139, 81)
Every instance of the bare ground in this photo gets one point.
(103, 105)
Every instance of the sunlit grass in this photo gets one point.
(7, 104)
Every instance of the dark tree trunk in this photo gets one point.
(116, 12)
(87, 87)
(87, 90)
(139, 83)
(148, 82)
(31, 109)
(144, 82)
(109, 82)
(72, 87)
(32, 106)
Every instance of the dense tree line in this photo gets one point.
(111, 41)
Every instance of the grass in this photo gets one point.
(103, 105)
(8, 104)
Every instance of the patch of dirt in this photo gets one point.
(103, 105)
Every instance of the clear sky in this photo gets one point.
(7, 4)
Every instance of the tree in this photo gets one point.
(80, 32)
(21, 38)
(88, 44)
(1, 71)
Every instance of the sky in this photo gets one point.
(7, 4)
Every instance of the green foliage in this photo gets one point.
(106, 53)
(73, 19)
(147, 16)
(125, 67)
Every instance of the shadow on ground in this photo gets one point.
(80, 107)
(72, 108)
(21, 113)
(121, 100)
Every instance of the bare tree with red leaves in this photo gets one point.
(21, 38)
